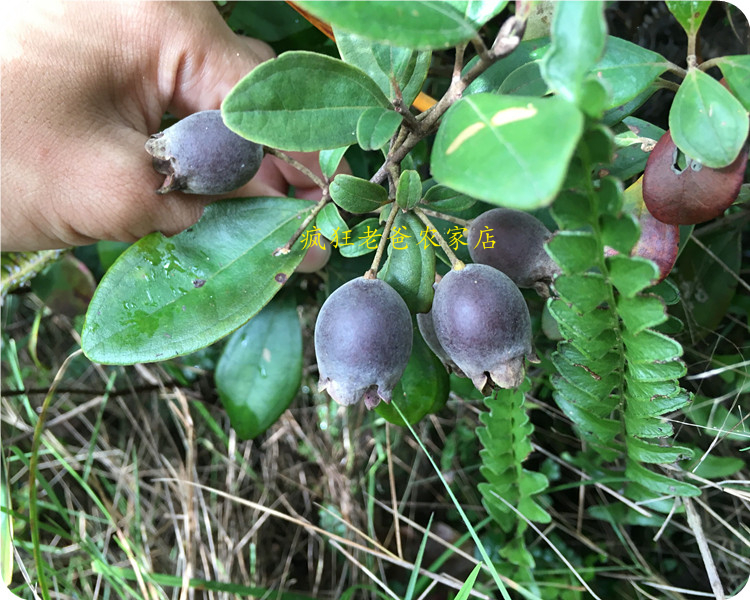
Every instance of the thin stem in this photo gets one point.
(480, 47)
(297, 165)
(711, 62)
(506, 41)
(372, 273)
(286, 248)
(692, 61)
(450, 218)
(676, 70)
(667, 85)
(456, 262)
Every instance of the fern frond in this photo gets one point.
(617, 377)
(505, 437)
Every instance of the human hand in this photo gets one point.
(84, 85)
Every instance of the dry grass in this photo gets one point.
(144, 491)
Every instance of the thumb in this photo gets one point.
(208, 59)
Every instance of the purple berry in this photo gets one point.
(201, 155)
(363, 339)
(483, 324)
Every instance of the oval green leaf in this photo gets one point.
(442, 198)
(165, 297)
(689, 13)
(376, 126)
(331, 159)
(329, 221)
(706, 122)
(301, 101)
(420, 24)
(491, 79)
(260, 368)
(409, 189)
(356, 195)
(526, 80)
(627, 70)
(498, 148)
(361, 240)
(736, 71)
(410, 267)
(578, 37)
(386, 63)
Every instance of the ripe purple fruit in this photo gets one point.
(363, 339)
(201, 155)
(483, 324)
(513, 241)
(427, 329)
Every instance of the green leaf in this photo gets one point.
(689, 13)
(639, 312)
(710, 466)
(716, 420)
(592, 427)
(526, 80)
(386, 64)
(632, 160)
(376, 126)
(65, 287)
(649, 452)
(578, 38)
(585, 292)
(409, 23)
(363, 239)
(736, 71)
(357, 195)
(659, 484)
(330, 160)
(495, 148)
(708, 276)
(301, 101)
(422, 389)
(442, 198)
(410, 266)
(649, 346)
(631, 275)
(627, 70)
(574, 251)
(593, 382)
(409, 189)
(329, 221)
(620, 233)
(491, 79)
(260, 368)
(165, 297)
(620, 113)
(572, 210)
(588, 326)
(706, 122)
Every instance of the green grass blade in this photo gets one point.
(468, 585)
(418, 562)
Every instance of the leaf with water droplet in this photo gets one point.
(147, 307)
